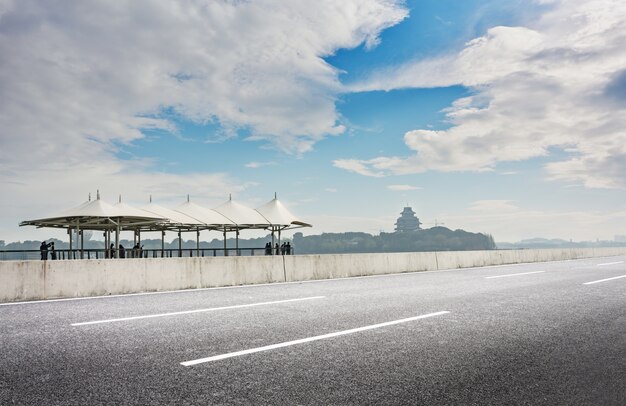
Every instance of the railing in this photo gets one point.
(21, 255)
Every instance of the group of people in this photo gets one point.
(43, 248)
(136, 252)
(283, 249)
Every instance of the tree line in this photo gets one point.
(432, 239)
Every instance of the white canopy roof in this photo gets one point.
(96, 215)
(277, 214)
(176, 218)
(242, 216)
(206, 216)
(99, 215)
(135, 212)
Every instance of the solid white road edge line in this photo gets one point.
(150, 316)
(604, 280)
(611, 263)
(512, 274)
(307, 340)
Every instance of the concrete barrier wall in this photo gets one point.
(33, 280)
(310, 267)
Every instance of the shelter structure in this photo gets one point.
(211, 219)
(243, 217)
(279, 217)
(98, 215)
(177, 221)
(231, 216)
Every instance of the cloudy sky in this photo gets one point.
(504, 117)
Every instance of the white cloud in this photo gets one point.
(556, 85)
(402, 188)
(79, 81)
(255, 165)
(102, 71)
(355, 165)
(331, 190)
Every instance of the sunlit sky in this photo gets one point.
(503, 117)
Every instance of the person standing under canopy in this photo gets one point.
(43, 248)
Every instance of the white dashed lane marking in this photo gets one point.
(150, 316)
(604, 280)
(512, 274)
(308, 339)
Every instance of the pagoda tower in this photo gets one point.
(407, 221)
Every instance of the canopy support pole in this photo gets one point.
(69, 231)
(273, 241)
(225, 252)
(162, 243)
(198, 241)
(237, 241)
(82, 241)
(180, 244)
(117, 241)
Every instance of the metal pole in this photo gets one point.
(82, 241)
(237, 241)
(225, 252)
(180, 244)
(162, 243)
(198, 242)
(117, 241)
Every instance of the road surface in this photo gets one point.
(548, 333)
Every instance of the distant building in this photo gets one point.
(620, 238)
(407, 221)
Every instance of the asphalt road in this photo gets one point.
(522, 334)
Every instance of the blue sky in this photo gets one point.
(490, 116)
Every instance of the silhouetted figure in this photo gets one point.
(122, 251)
(277, 249)
(111, 251)
(53, 253)
(288, 248)
(135, 252)
(282, 249)
(268, 248)
(43, 248)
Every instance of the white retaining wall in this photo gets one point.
(33, 280)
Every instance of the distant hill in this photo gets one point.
(432, 239)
